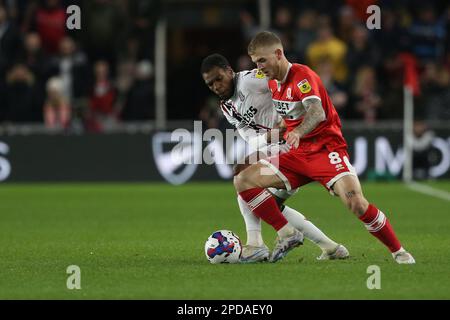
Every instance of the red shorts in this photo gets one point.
(297, 169)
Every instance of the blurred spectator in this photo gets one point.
(393, 37)
(103, 92)
(248, 25)
(391, 88)
(331, 37)
(130, 52)
(245, 63)
(72, 67)
(17, 10)
(9, 42)
(144, 15)
(365, 96)
(360, 7)
(427, 35)
(422, 148)
(283, 26)
(336, 92)
(51, 25)
(104, 30)
(20, 91)
(360, 50)
(446, 22)
(305, 33)
(435, 84)
(57, 111)
(328, 47)
(346, 23)
(210, 113)
(140, 100)
(101, 102)
(33, 55)
(283, 20)
(447, 62)
(125, 79)
(392, 69)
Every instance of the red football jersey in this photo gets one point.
(301, 84)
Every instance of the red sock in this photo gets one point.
(378, 225)
(263, 205)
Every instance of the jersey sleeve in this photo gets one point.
(306, 85)
(251, 136)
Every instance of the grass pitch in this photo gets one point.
(145, 241)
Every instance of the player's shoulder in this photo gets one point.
(304, 78)
(301, 71)
(253, 80)
(252, 74)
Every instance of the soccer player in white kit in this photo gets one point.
(246, 102)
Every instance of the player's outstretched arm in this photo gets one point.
(313, 117)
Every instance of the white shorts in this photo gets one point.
(282, 193)
(275, 149)
(272, 149)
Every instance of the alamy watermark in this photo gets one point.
(74, 280)
(207, 146)
(73, 21)
(374, 20)
(374, 280)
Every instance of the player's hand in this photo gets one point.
(293, 139)
(275, 135)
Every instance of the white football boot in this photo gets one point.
(403, 257)
(340, 252)
(253, 254)
(283, 246)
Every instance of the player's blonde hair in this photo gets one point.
(263, 39)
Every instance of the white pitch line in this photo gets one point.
(437, 193)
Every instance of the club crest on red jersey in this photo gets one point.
(304, 86)
(289, 94)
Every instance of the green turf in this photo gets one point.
(442, 185)
(145, 241)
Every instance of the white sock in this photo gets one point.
(252, 224)
(309, 230)
(286, 231)
(398, 251)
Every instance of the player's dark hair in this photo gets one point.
(214, 60)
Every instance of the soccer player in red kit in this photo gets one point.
(318, 150)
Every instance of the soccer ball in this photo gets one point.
(223, 246)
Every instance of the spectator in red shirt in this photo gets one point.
(102, 113)
(51, 25)
(103, 94)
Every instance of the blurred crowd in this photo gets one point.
(362, 69)
(94, 78)
(88, 79)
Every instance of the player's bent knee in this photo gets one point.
(243, 181)
(237, 181)
(358, 205)
(238, 168)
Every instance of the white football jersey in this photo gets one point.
(252, 112)
(250, 109)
